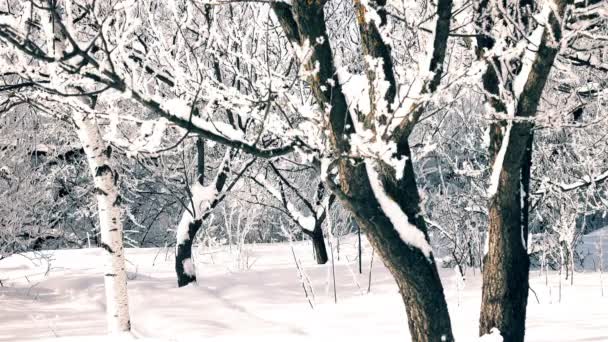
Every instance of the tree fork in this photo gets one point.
(415, 274)
(506, 271)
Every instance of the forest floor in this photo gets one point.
(58, 295)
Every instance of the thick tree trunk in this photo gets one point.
(413, 269)
(505, 273)
(506, 269)
(414, 272)
(427, 305)
(110, 222)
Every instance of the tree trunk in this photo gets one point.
(184, 268)
(108, 198)
(110, 222)
(415, 274)
(427, 305)
(200, 160)
(506, 270)
(318, 243)
(193, 217)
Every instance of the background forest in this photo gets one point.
(447, 134)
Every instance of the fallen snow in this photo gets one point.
(493, 336)
(266, 302)
(189, 267)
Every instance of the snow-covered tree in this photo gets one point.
(519, 43)
(371, 100)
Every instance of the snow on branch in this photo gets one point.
(201, 199)
(175, 110)
(409, 233)
(566, 187)
(499, 160)
(430, 73)
(529, 58)
(307, 222)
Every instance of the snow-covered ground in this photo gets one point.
(60, 296)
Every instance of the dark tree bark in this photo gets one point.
(415, 273)
(405, 190)
(184, 252)
(506, 268)
(526, 173)
(200, 160)
(318, 243)
(316, 234)
(184, 248)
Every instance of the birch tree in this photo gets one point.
(110, 222)
(105, 181)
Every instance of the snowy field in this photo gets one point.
(260, 295)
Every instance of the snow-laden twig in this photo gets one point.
(304, 280)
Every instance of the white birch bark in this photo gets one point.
(110, 223)
(108, 198)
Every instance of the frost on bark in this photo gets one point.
(201, 200)
(110, 222)
(506, 269)
(413, 269)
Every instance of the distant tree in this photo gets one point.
(311, 223)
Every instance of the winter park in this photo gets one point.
(303, 170)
